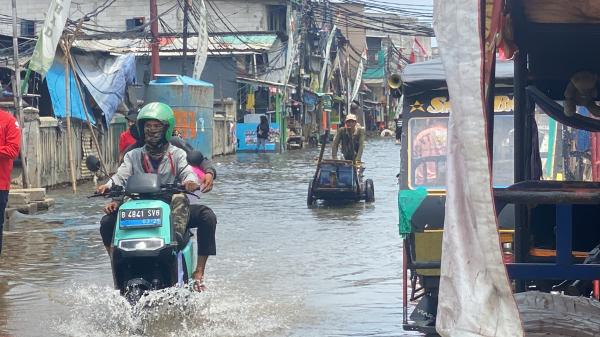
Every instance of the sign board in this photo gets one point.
(326, 102)
(246, 134)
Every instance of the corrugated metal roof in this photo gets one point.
(218, 45)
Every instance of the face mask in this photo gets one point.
(156, 145)
(153, 136)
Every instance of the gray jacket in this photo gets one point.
(133, 163)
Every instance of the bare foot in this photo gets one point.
(198, 281)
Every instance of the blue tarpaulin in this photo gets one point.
(56, 86)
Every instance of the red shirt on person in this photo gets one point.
(10, 142)
(125, 140)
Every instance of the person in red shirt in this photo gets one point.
(126, 138)
(10, 141)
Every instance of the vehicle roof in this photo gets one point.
(429, 75)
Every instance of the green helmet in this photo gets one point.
(158, 111)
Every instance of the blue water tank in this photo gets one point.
(192, 103)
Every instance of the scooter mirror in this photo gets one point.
(92, 163)
(195, 158)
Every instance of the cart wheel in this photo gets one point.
(555, 315)
(369, 191)
(310, 199)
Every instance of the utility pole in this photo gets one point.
(301, 50)
(154, 58)
(17, 89)
(386, 87)
(186, 18)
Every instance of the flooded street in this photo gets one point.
(281, 269)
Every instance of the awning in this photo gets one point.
(374, 73)
(173, 45)
(430, 75)
(263, 82)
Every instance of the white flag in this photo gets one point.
(292, 47)
(202, 51)
(359, 73)
(45, 47)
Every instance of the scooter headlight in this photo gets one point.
(141, 244)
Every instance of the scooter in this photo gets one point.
(152, 248)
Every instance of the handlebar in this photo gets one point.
(117, 191)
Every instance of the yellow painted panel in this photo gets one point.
(428, 248)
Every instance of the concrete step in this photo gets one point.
(35, 194)
(30, 208)
(17, 199)
(45, 204)
(8, 214)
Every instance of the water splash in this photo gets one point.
(100, 311)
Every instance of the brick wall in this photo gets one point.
(249, 15)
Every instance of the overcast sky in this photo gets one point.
(416, 2)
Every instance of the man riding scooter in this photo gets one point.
(155, 123)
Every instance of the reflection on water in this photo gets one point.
(282, 269)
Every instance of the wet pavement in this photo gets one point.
(281, 269)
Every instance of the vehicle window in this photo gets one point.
(504, 157)
(566, 152)
(427, 146)
(428, 149)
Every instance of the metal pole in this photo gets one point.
(17, 92)
(349, 83)
(154, 58)
(301, 64)
(186, 18)
(65, 46)
(404, 282)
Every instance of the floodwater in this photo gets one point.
(282, 269)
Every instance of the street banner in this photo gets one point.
(45, 47)
(291, 45)
(202, 51)
(326, 62)
(359, 72)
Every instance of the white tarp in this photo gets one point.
(106, 78)
(475, 298)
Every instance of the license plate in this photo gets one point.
(141, 217)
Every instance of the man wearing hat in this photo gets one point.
(352, 138)
(127, 137)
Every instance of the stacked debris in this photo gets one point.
(27, 201)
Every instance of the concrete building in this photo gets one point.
(224, 15)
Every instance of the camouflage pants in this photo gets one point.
(180, 212)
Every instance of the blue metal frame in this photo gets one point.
(563, 268)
